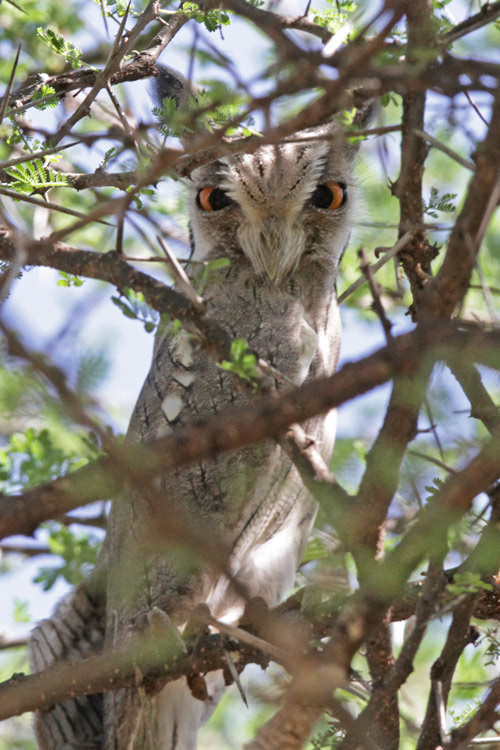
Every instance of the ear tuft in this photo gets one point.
(366, 113)
(169, 83)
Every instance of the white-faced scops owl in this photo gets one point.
(281, 216)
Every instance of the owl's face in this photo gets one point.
(280, 206)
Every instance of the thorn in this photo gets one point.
(179, 275)
(235, 676)
(6, 96)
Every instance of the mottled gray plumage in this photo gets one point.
(278, 293)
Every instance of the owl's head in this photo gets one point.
(280, 207)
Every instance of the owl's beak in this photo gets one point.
(273, 246)
(272, 267)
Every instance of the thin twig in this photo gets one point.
(238, 634)
(375, 290)
(391, 253)
(432, 460)
(36, 155)
(488, 13)
(46, 204)
(10, 83)
(445, 149)
(179, 276)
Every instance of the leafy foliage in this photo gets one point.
(32, 176)
(93, 367)
(219, 108)
(134, 306)
(467, 583)
(211, 19)
(21, 611)
(437, 202)
(334, 15)
(117, 9)
(32, 458)
(43, 93)
(492, 641)
(462, 717)
(68, 280)
(329, 739)
(71, 53)
(78, 552)
(243, 362)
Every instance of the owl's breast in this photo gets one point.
(280, 324)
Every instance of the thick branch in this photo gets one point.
(157, 658)
(121, 180)
(21, 694)
(112, 268)
(488, 13)
(451, 283)
(265, 417)
(459, 636)
(143, 66)
(417, 256)
(383, 463)
(366, 609)
(483, 719)
(229, 429)
(482, 405)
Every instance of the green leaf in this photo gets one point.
(126, 310)
(439, 202)
(243, 362)
(134, 306)
(21, 611)
(467, 583)
(34, 175)
(92, 370)
(79, 552)
(33, 458)
(212, 19)
(68, 279)
(315, 550)
(333, 17)
(58, 44)
(41, 94)
(107, 157)
(215, 265)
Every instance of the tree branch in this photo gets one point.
(265, 417)
(459, 636)
(449, 287)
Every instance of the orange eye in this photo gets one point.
(212, 199)
(331, 195)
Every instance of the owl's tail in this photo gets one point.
(181, 715)
(123, 719)
(74, 631)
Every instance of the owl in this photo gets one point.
(280, 217)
